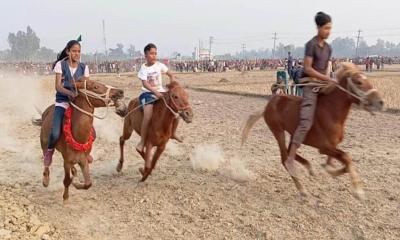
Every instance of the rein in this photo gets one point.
(351, 90)
(175, 113)
(105, 97)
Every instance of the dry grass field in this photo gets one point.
(208, 187)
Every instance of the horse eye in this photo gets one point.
(176, 97)
(96, 87)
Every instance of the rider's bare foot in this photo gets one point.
(291, 168)
(177, 138)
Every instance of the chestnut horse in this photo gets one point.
(175, 103)
(91, 95)
(282, 114)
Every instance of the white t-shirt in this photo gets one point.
(153, 74)
(58, 69)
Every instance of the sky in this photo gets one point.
(178, 25)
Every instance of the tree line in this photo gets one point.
(25, 46)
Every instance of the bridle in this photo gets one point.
(179, 109)
(356, 92)
(105, 97)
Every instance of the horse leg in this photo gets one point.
(46, 177)
(147, 162)
(86, 176)
(157, 154)
(305, 163)
(121, 153)
(67, 180)
(280, 138)
(344, 158)
(174, 128)
(125, 136)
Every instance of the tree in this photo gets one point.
(45, 55)
(131, 51)
(117, 53)
(23, 45)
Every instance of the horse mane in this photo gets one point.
(172, 85)
(347, 69)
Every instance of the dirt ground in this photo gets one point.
(244, 194)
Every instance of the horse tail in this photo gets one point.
(38, 121)
(253, 118)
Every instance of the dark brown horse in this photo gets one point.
(91, 95)
(282, 115)
(174, 104)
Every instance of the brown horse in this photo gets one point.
(165, 112)
(91, 95)
(282, 114)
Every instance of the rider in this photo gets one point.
(68, 68)
(150, 74)
(316, 67)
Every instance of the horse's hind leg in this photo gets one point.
(125, 136)
(67, 180)
(344, 158)
(279, 134)
(157, 154)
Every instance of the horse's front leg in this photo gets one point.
(157, 154)
(147, 162)
(67, 179)
(344, 158)
(83, 163)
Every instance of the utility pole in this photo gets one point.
(358, 42)
(211, 42)
(273, 50)
(244, 50)
(104, 38)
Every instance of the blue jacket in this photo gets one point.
(68, 80)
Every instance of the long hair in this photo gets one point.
(63, 53)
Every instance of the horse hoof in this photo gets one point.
(46, 178)
(119, 167)
(359, 194)
(303, 193)
(311, 172)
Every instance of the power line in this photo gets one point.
(243, 50)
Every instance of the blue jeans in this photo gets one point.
(56, 128)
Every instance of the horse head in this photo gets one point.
(179, 101)
(361, 89)
(101, 95)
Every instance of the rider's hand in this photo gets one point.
(72, 95)
(158, 95)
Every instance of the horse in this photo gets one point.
(281, 114)
(91, 95)
(174, 104)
